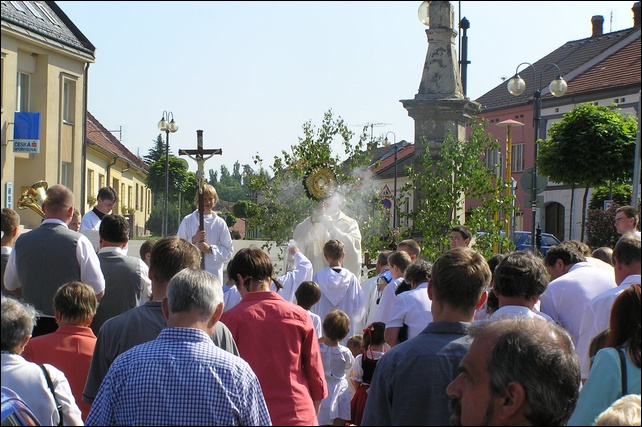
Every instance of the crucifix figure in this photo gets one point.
(203, 227)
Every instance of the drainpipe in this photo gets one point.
(83, 160)
(108, 183)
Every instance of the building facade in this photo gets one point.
(45, 62)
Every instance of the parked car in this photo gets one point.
(522, 240)
(15, 411)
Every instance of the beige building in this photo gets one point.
(109, 162)
(45, 63)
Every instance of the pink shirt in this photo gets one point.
(278, 340)
(69, 349)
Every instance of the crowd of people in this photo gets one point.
(100, 337)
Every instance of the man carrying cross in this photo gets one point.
(203, 227)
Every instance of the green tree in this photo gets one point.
(592, 145)
(230, 187)
(282, 199)
(458, 169)
(181, 181)
(619, 192)
(157, 151)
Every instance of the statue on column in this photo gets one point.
(327, 221)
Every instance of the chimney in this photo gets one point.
(636, 14)
(597, 21)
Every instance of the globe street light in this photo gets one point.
(516, 86)
(167, 124)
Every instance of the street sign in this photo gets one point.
(526, 181)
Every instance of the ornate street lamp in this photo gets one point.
(167, 125)
(516, 86)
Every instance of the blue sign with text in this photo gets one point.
(26, 133)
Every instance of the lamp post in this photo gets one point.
(394, 191)
(516, 86)
(167, 124)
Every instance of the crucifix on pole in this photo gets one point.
(199, 155)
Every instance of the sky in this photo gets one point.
(251, 74)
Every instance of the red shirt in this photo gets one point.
(69, 349)
(278, 340)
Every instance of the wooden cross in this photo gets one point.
(199, 155)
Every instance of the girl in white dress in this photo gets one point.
(337, 361)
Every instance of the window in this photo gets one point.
(64, 174)
(90, 183)
(101, 181)
(69, 101)
(517, 158)
(46, 13)
(493, 159)
(22, 97)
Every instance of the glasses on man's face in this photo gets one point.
(455, 239)
(619, 219)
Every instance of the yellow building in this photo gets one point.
(45, 61)
(109, 162)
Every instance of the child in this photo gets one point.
(74, 224)
(337, 361)
(355, 343)
(307, 294)
(364, 366)
(10, 225)
(340, 289)
(145, 250)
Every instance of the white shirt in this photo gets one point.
(369, 287)
(316, 321)
(217, 235)
(90, 272)
(596, 318)
(387, 300)
(292, 279)
(413, 308)
(90, 221)
(517, 311)
(28, 381)
(145, 282)
(567, 297)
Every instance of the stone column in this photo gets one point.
(440, 108)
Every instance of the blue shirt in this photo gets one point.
(604, 386)
(410, 380)
(180, 378)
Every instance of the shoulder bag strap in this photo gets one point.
(625, 387)
(51, 387)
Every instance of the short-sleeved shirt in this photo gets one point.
(180, 378)
(409, 383)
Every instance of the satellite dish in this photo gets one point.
(424, 17)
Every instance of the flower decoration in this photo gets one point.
(320, 183)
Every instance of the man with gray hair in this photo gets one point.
(518, 371)
(209, 386)
(138, 325)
